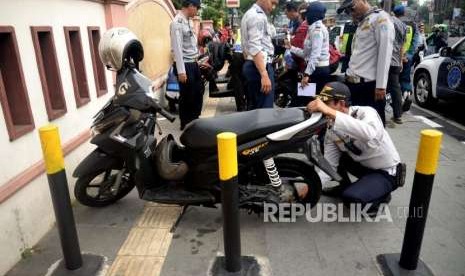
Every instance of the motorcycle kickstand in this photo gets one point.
(178, 220)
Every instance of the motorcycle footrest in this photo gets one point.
(170, 194)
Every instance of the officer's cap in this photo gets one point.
(334, 91)
(399, 10)
(346, 4)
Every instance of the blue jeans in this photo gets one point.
(404, 78)
(255, 97)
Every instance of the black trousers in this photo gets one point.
(320, 77)
(190, 94)
(363, 94)
(393, 88)
(372, 186)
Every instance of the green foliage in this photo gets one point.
(245, 5)
(214, 10)
(177, 4)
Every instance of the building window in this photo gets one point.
(77, 66)
(99, 70)
(49, 71)
(13, 92)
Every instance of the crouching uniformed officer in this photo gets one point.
(357, 142)
(184, 47)
(258, 51)
(369, 63)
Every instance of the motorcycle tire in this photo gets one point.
(106, 197)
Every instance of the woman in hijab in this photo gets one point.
(316, 48)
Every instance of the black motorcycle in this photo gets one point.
(129, 155)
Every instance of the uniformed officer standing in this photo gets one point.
(316, 48)
(396, 67)
(184, 47)
(258, 51)
(356, 142)
(368, 70)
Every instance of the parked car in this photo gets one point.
(441, 76)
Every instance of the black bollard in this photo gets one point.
(227, 158)
(427, 161)
(55, 167)
(80, 264)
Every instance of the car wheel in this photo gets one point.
(423, 90)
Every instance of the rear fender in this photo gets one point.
(313, 153)
(96, 161)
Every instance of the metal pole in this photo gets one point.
(55, 167)
(387, 6)
(227, 158)
(427, 161)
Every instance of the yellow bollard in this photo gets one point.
(428, 153)
(427, 163)
(227, 155)
(51, 148)
(227, 161)
(56, 175)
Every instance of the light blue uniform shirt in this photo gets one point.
(256, 33)
(316, 47)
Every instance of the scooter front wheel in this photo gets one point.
(104, 187)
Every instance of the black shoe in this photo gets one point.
(335, 191)
(407, 103)
(401, 174)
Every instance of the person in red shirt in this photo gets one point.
(298, 41)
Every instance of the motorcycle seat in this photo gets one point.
(249, 125)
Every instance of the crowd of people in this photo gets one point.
(379, 49)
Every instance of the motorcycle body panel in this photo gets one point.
(96, 161)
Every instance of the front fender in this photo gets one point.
(97, 161)
(431, 65)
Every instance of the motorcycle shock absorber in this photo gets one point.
(272, 172)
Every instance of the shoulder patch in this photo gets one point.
(381, 20)
(365, 26)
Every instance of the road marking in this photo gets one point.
(463, 142)
(457, 125)
(427, 121)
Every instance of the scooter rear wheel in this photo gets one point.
(98, 188)
(298, 172)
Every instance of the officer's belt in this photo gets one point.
(356, 79)
(323, 63)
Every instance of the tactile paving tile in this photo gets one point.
(136, 266)
(158, 217)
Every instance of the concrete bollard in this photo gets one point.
(408, 262)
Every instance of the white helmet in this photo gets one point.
(119, 45)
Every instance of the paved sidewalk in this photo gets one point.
(304, 248)
(135, 236)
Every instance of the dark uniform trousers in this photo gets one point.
(320, 77)
(363, 94)
(190, 94)
(372, 186)
(255, 97)
(393, 88)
